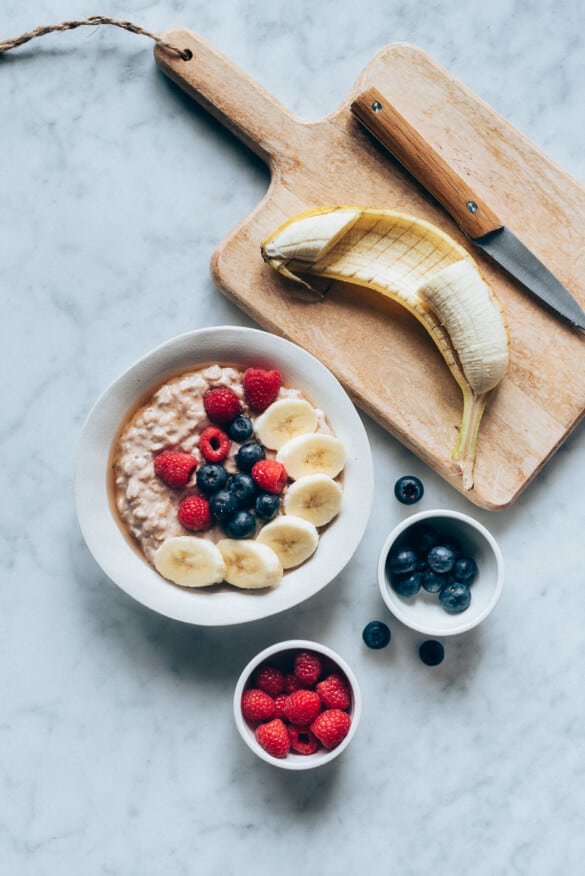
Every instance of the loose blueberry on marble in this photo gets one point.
(211, 477)
(223, 505)
(243, 488)
(240, 429)
(401, 561)
(455, 597)
(431, 652)
(408, 490)
(249, 454)
(441, 558)
(241, 525)
(465, 569)
(376, 635)
(433, 582)
(267, 505)
(407, 585)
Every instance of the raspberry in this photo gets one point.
(307, 668)
(221, 405)
(261, 388)
(331, 727)
(334, 692)
(273, 738)
(270, 680)
(302, 740)
(280, 705)
(194, 514)
(291, 683)
(270, 475)
(214, 444)
(257, 705)
(174, 467)
(302, 707)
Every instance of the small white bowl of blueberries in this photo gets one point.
(440, 572)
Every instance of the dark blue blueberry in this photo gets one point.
(422, 537)
(267, 505)
(376, 635)
(249, 454)
(241, 525)
(465, 569)
(240, 429)
(223, 505)
(243, 488)
(211, 477)
(441, 558)
(401, 560)
(455, 597)
(451, 542)
(407, 585)
(408, 490)
(431, 652)
(432, 582)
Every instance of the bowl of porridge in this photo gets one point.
(224, 477)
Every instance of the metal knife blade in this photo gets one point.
(481, 225)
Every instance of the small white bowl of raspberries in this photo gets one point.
(297, 705)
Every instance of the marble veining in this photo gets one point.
(118, 753)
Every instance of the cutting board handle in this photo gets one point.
(229, 94)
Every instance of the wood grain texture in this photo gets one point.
(382, 355)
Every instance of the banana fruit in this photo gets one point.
(190, 561)
(312, 454)
(417, 265)
(284, 419)
(292, 539)
(314, 497)
(250, 565)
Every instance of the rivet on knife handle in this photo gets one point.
(424, 163)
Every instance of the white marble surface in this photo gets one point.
(118, 754)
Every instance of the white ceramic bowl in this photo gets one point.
(424, 612)
(275, 654)
(109, 546)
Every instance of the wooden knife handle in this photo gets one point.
(426, 165)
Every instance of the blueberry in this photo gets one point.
(240, 429)
(401, 560)
(211, 477)
(241, 525)
(243, 488)
(376, 635)
(455, 597)
(465, 569)
(223, 505)
(431, 652)
(422, 537)
(267, 505)
(407, 585)
(432, 582)
(248, 454)
(408, 490)
(441, 558)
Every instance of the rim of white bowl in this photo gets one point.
(401, 611)
(296, 761)
(109, 545)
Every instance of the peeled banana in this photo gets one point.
(284, 419)
(315, 497)
(250, 565)
(292, 539)
(190, 561)
(417, 265)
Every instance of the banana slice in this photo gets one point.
(250, 564)
(283, 420)
(316, 498)
(292, 539)
(190, 561)
(312, 454)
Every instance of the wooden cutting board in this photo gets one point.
(381, 354)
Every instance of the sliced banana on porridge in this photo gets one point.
(312, 454)
(316, 498)
(285, 419)
(292, 539)
(250, 565)
(190, 561)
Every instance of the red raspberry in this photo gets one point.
(302, 707)
(214, 444)
(269, 679)
(331, 727)
(307, 668)
(261, 388)
(194, 514)
(280, 705)
(273, 738)
(302, 740)
(221, 404)
(257, 705)
(174, 467)
(334, 692)
(270, 475)
(291, 683)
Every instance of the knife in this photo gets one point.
(479, 223)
